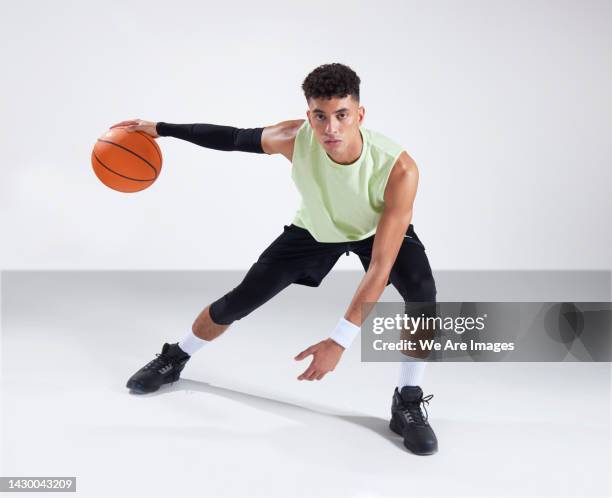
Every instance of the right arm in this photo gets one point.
(275, 139)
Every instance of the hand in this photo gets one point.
(138, 125)
(326, 355)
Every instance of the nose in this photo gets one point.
(330, 128)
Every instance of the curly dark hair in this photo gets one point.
(331, 80)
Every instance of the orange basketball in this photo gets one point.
(127, 161)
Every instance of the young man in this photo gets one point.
(358, 189)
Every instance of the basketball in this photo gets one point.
(126, 161)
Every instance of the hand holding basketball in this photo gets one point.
(126, 158)
(147, 127)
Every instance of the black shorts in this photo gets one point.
(295, 257)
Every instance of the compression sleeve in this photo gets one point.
(214, 136)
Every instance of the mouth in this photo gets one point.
(332, 141)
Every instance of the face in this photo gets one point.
(335, 122)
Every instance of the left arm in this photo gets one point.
(399, 196)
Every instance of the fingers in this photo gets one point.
(316, 370)
(309, 372)
(312, 373)
(315, 374)
(305, 353)
(302, 376)
(126, 123)
(131, 128)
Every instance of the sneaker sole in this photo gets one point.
(136, 388)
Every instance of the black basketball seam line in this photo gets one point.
(155, 146)
(131, 152)
(119, 174)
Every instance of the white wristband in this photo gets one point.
(345, 332)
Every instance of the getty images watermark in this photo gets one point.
(487, 331)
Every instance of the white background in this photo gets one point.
(505, 106)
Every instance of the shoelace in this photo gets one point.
(413, 412)
(158, 363)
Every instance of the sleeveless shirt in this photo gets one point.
(341, 202)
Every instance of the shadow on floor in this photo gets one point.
(297, 412)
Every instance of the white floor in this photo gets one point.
(239, 424)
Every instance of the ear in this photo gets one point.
(361, 114)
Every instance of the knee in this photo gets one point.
(218, 313)
(260, 284)
(420, 288)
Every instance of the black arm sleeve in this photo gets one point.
(214, 136)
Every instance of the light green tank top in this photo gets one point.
(341, 203)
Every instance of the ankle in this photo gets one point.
(191, 343)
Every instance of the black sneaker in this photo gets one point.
(408, 421)
(163, 369)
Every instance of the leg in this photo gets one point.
(261, 283)
(294, 257)
(411, 275)
(205, 328)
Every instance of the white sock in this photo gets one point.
(191, 343)
(411, 373)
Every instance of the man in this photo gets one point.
(358, 189)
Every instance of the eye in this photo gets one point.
(342, 115)
(320, 117)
